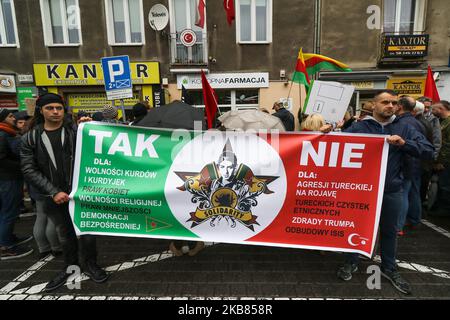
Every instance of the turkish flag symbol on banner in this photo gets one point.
(229, 8)
(209, 97)
(430, 87)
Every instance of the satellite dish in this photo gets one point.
(158, 17)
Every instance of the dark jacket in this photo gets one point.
(429, 134)
(9, 156)
(37, 160)
(437, 133)
(287, 118)
(412, 166)
(444, 154)
(416, 145)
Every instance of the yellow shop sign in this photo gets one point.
(414, 87)
(90, 74)
(97, 100)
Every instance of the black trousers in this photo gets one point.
(76, 251)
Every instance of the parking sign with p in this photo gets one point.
(117, 75)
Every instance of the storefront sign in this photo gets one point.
(158, 96)
(97, 100)
(310, 191)
(25, 78)
(361, 85)
(226, 80)
(8, 101)
(406, 45)
(7, 83)
(90, 74)
(24, 93)
(414, 87)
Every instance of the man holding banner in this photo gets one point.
(402, 140)
(47, 155)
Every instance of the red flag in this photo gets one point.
(209, 97)
(430, 87)
(200, 14)
(229, 8)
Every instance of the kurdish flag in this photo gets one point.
(316, 62)
(308, 64)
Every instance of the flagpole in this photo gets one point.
(300, 113)
(289, 94)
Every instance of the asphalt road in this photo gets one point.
(144, 269)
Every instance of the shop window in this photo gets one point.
(8, 25)
(254, 21)
(125, 22)
(247, 98)
(404, 16)
(61, 22)
(229, 99)
(183, 15)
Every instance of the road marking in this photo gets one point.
(115, 268)
(419, 268)
(32, 293)
(436, 228)
(26, 274)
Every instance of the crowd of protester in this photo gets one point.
(38, 152)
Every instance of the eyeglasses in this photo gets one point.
(386, 102)
(51, 108)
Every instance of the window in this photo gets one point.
(254, 21)
(183, 15)
(61, 22)
(125, 22)
(8, 26)
(404, 16)
(229, 99)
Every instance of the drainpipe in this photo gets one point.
(317, 25)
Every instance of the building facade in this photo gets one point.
(388, 44)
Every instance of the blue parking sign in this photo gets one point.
(117, 76)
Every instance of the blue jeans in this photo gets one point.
(412, 205)
(10, 200)
(390, 211)
(75, 251)
(44, 230)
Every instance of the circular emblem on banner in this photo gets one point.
(226, 187)
(188, 37)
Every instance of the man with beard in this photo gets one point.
(402, 141)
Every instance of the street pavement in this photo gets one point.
(144, 269)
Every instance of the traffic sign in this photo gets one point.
(117, 75)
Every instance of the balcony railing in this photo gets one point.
(195, 55)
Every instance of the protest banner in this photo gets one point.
(301, 190)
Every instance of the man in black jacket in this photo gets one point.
(11, 184)
(47, 156)
(285, 116)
